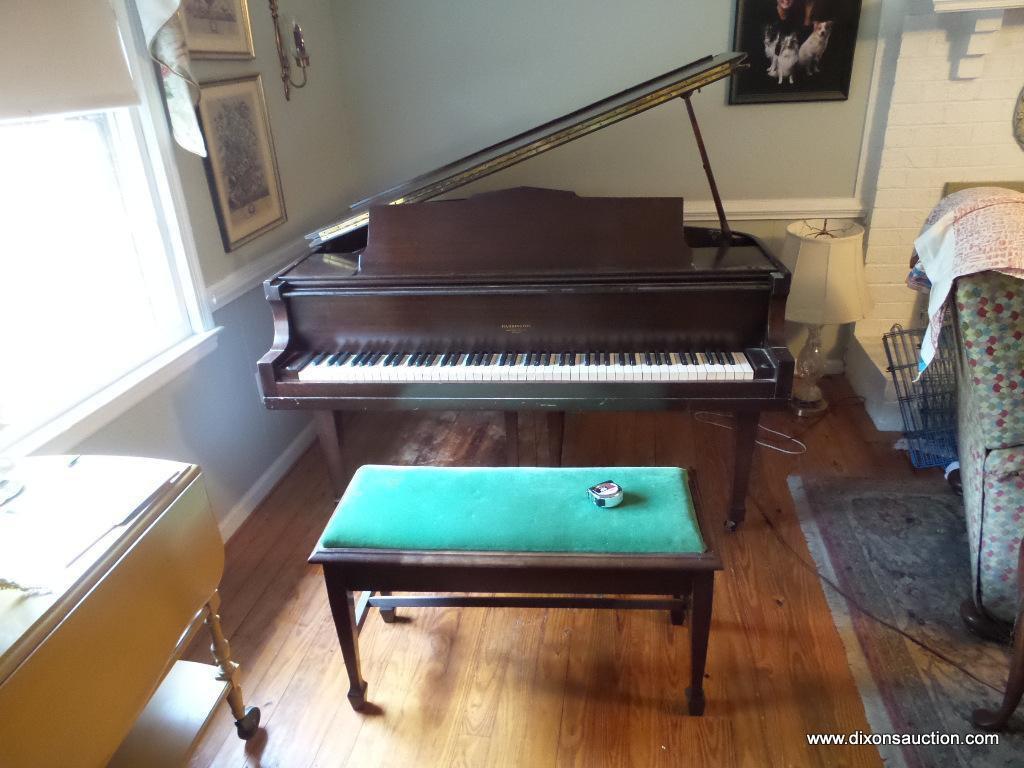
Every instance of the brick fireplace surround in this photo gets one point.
(950, 100)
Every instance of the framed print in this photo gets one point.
(241, 165)
(217, 29)
(798, 50)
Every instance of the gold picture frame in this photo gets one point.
(217, 29)
(241, 164)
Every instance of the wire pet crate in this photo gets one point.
(928, 405)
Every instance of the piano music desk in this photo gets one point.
(129, 558)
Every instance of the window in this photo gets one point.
(94, 282)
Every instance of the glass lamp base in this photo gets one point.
(804, 408)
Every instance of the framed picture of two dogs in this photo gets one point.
(798, 50)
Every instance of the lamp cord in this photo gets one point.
(708, 417)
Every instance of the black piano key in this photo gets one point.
(299, 362)
(729, 358)
(358, 358)
(659, 358)
(429, 359)
(648, 359)
(318, 358)
(389, 358)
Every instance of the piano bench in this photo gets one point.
(515, 530)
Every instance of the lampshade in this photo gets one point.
(61, 56)
(828, 273)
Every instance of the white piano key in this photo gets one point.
(672, 367)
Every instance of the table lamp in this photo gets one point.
(828, 289)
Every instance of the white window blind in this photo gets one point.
(101, 293)
(61, 56)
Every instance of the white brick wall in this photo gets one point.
(939, 129)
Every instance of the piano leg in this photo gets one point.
(743, 455)
(330, 443)
(556, 432)
(512, 438)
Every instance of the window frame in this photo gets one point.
(148, 123)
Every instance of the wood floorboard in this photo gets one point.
(543, 687)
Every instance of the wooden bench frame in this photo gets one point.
(686, 579)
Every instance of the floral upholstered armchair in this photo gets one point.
(989, 330)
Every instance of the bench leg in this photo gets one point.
(343, 609)
(678, 615)
(388, 614)
(700, 629)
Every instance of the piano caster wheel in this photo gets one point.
(731, 526)
(249, 724)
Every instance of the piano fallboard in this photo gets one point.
(556, 396)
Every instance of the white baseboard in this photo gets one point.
(239, 513)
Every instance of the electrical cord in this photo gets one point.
(873, 616)
(708, 417)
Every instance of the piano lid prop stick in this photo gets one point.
(723, 222)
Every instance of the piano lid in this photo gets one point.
(632, 101)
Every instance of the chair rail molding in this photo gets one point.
(953, 6)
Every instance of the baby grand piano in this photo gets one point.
(533, 299)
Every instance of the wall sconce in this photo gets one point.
(301, 55)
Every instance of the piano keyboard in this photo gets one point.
(401, 367)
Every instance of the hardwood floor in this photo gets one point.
(522, 687)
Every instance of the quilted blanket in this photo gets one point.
(974, 230)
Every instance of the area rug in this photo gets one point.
(899, 549)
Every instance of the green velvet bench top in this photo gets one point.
(514, 509)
